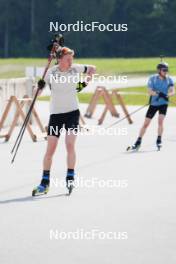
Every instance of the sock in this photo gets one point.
(159, 139)
(139, 140)
(70, 175)
(45, 178)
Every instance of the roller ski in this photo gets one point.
(70, 184)
(159, 143)
(135, 147)
(43, 188)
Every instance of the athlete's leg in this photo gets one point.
(54, 127)
(160, 124)
(51, 147)
(138, 142)
(160, 130)
(70, 140)
(149, 115)
(43, 187)
(72, 127)
(161, 117)
(147, 122)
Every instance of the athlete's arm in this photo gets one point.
(88, 70)
(91, 70)
(171, 91)
(151, 91)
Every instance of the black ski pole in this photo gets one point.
(25, 122)
(161, 58)
(132, 113)
(125, 117)
(20, 136)
(56, 44)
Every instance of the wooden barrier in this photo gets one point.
(18, 87)
(19, 105)
(101, 92)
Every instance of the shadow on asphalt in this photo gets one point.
(32, 199)
(139, 151)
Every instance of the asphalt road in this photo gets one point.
(138, 210)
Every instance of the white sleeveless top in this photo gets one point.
(63, 88)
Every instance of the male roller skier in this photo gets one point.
(160, 88)
(65, 113)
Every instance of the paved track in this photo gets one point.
(143, 209)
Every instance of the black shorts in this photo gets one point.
(67, 121)
(162, 109)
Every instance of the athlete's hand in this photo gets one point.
(41, 84)
(80, 86)
(164, 96)
(152, 92)
(91, 69)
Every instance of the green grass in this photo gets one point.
(13, 68)
(129, 99)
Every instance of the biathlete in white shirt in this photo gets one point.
(64, 113)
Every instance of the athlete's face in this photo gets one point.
(66, 61)
(163, 72)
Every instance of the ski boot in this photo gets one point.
(40, 190)
(70, 184)
(136, 146)
(159, 143)
(43, 188)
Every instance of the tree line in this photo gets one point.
(25, 26)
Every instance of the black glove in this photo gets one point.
(41, 84)
(80, 86)
(164, 96)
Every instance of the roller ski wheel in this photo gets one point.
(133, 148)
(40, 190)
(70, 187)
